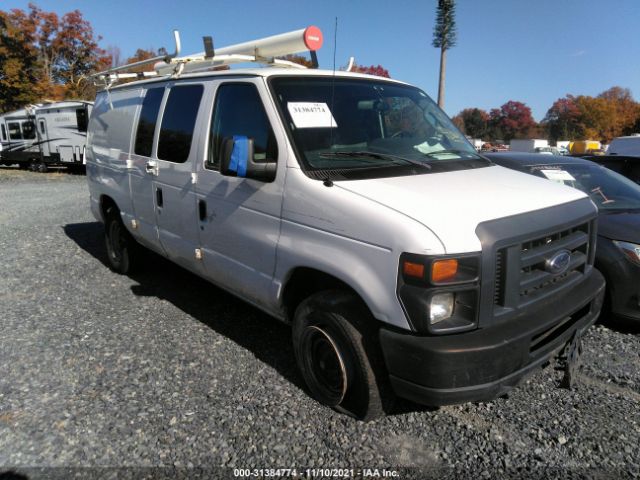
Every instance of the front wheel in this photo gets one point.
(122, 249)
(338, 354)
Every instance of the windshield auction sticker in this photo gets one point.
(311, 115)
(558, 175)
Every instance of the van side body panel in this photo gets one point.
(339, 233)
(108, 146)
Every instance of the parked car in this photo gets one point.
(618, 200)
(547, 150)
(352, 208)
(625, 165)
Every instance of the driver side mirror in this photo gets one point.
(238, 160)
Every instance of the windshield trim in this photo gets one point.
(326, 173)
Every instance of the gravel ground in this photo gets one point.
(163, 375)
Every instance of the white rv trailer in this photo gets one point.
(43, 135)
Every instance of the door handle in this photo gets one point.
(159, 197)
(202, 210)
(151, 167)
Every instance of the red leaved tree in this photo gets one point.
(377, 70)
(512, 120)
(46, 56)
(563, 120)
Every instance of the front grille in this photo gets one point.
(521, 271)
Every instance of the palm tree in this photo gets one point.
(444, 37)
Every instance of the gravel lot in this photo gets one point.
(106, 375)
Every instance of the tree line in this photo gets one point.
(611, 114)
(47, 57)
(44, 56)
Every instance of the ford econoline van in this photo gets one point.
(350, 207)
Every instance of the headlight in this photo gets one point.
(630, 250)
(441, 307)
(439, 293)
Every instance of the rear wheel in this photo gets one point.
(337, 351)
(123, 252)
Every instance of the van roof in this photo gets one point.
(259, 72)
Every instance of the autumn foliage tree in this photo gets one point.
(563, 120)
(299, 59)
(20, 75)
(611, 114)
(473, 122)
(46, 56)
(512, 120)
(377, 70)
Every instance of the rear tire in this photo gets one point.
(338, 353)
(123, 252)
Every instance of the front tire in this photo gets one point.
(123, 251)
(337, 351)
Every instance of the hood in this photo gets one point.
(620, 226)
(452, 204)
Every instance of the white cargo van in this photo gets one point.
(352, 208)
(629, 146)
(532, 145)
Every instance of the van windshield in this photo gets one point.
(348, 125)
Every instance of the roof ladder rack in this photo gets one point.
(107, 77)
(262, 51)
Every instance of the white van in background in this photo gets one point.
(628, 146)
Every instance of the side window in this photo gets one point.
(42, 129)
(14, 131)
(147, 121)
(239, 111)
(4, 133)
(178, 123)
(81, 117)
(28, 130)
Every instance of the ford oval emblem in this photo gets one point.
(558, 263)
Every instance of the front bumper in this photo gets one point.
(486, 363)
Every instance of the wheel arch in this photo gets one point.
(107, 202)
(302, 282)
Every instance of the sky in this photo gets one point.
(533, 51)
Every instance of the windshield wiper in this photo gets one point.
(453, 150)
(381, 156)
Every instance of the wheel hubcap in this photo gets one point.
(327, 366)
(115, 242)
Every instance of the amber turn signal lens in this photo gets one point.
(411, 269)
(444, 270)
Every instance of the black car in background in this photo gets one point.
(622, 164)
(618, 199)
